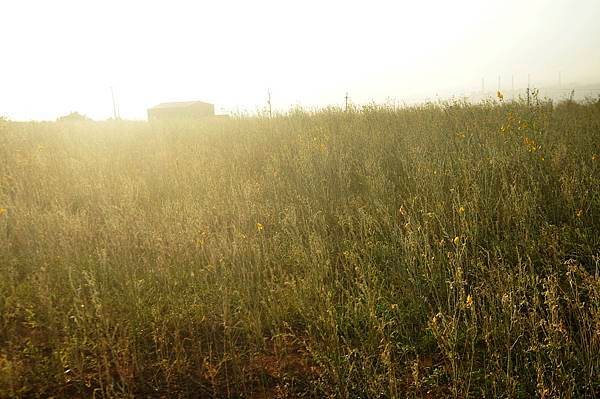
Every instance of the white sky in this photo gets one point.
(58, 56)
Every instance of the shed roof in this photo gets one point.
(180, 104)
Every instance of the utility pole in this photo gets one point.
(112, 93)
(346, 98)
(269, 102)
(528, 88)
(499, 83)
(559, 80)
(482, 85)
(512, 86)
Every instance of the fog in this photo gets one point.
(61, 56)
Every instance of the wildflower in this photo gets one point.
(394, 306)
(200, 241)
(594, 157)
(2, 211)
(579, 213)
(461, 209)
(530, 144)
(469, 302)
(456, 240)
(500, 95)
(260, 227)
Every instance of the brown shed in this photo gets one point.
(181, 110)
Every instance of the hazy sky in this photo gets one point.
(58, 56)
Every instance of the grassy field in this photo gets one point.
(444, 250)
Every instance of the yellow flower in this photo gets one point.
(500, 95)
(530, 144)
(469, 302)
(579, 213)
(260, 227)
(456, 240)
(461, 209)
(594, 157)
(2, 211)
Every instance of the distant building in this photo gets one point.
(181, 110)
(73, 117)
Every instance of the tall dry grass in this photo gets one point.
(439, 250)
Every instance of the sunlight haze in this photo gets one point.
(62, 56)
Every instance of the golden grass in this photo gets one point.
(440, 250)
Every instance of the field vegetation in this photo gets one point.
(441, 250)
